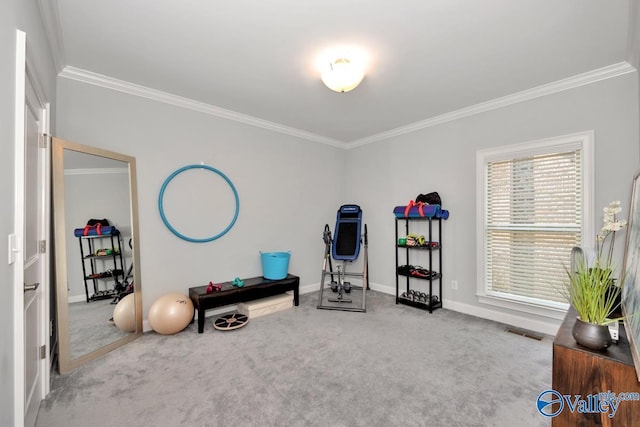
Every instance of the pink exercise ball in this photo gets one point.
(124, 314)
(170, 313)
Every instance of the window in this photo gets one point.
(532, 209)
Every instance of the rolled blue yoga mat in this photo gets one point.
(92, 231)
(444, 214)
(429, 211)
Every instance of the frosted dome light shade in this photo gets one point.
(342, 75)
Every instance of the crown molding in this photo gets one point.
(187, 103)
(604, 73)
(92, 78)
(51, 22)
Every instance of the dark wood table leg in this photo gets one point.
(200, 320)
(296, 295)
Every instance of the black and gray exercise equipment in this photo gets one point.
(344, 248)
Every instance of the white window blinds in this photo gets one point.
(533, 219)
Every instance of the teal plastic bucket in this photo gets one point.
(275, 265)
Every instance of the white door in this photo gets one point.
(35, 276)
(31, 239)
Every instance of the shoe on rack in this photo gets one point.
(405, 269)
(421, 272)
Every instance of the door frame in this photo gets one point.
(25, 69)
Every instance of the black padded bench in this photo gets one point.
(254, 288)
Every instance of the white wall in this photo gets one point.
(272, 172)
(23, 15)
(288, 188)
(442, 158)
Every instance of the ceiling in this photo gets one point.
(255, 61)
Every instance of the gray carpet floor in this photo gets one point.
(90, 327)
(391, 366)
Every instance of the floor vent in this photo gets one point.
(524, 333)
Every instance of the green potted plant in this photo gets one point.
(592, 290)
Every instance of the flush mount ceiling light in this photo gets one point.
(342, 75)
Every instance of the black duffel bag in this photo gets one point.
(429, 198)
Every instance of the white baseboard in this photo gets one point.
(77, 298)
(545, 327)
(307, 289)
(315, 287)
(391, 290)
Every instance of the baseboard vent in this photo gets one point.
(524, 333)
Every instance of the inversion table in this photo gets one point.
(344, 248)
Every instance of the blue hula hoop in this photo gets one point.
(176, 232)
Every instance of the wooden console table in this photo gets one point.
(578, 370)
(254, 288)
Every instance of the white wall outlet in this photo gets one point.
(454, 284)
